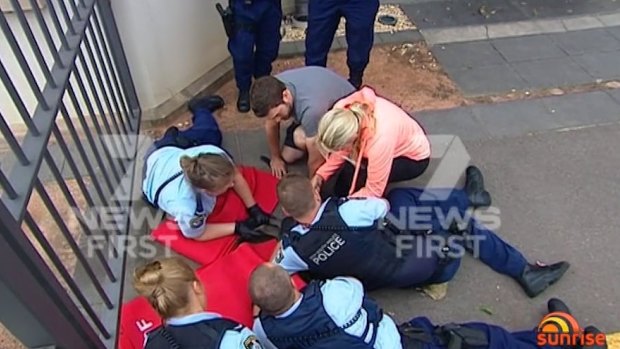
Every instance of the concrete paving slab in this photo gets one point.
(467, 55)
(610, 19)
(489, 79)
(458, 121)
(521, 28)
(461, 13)
(405, 36)
(557, 202)
(615, 31)
(581, 23)
(615, 94)
(515, 118)
(601, 65)
(552, 72)
(582, 109)
(436, 36)
(586, 41)
(528, 48)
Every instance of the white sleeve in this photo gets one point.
(244, 339)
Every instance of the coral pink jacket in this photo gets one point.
(394, 133)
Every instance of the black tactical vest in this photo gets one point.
(206, 334)
(331, 248)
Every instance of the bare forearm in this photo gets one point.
(272, 129)
(217, 230)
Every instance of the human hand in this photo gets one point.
(278, 167)
(317, 182)
(258, 216)
(249, 233)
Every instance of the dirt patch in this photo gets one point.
(407, 74)
(7, 341)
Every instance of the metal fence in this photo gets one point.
(67, 88)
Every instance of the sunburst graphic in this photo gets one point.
(558, 322)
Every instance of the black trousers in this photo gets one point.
(403, 169)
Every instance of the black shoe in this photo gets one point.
(212, 103)
(537, 278)
(243, 102)
(356, 81)
(556, 305)
(595, 331)
(474, 187)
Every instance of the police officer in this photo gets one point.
(184, 172)
(355, 237)
(253, 29)
(323, 19)
(304, 95)
(178, 296)
(336, 313)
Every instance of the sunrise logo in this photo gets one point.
(561, 329)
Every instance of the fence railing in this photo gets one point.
(69, 115)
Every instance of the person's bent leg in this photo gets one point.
(360, 26)
(404, 169)
(293, 149)
(204, 129)
(323, 19)
(267, 37)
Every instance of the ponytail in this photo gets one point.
(208, 171)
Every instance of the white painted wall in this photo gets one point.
(169, 44)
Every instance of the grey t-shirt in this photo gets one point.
(315, 90)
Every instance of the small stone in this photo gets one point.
(513, 90)
(443, 47)
(527, 93)
(613, 84)
(599, 81)
(556, 92)
(569, 11)
(448, 8)
(552, 111)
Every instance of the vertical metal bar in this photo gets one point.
(6, 185)
(12, 141)
(17, 100)
(78, 176)
(107, 55)
(71, 162)
(21, 59)
(59, 265)
(47, 201)
(118, 53)
(65, 13)
(46, 33)
(100, 54)
(47, 312)
(33, 43)
(56, 21)
(89, 136)
(95, 68)
(76, 13)
(93, 116)
(65, 190)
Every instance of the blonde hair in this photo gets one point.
(295, 194)
(339, 126)
(166, 284)
(208, 171)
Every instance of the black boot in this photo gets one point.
(555, 305)
(356, 80)
(594, 331)
(537, 278)
(212, 103)
(474, 187)
(243, 102)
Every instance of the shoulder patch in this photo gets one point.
(197, 221)
(279, 255)
(252, 343)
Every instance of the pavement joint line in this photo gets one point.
(447, 35)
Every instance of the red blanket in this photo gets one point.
(228, 208)
(226, 283)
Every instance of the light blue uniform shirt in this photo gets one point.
(342, 299)
(362, 212)
(239, 338)
(178, 198)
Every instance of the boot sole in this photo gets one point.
(533, 294)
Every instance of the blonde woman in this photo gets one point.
(175, 292)
(185, 172)
(370, 142)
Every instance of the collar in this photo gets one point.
(192, 319)
(292, 309)
(315, 219)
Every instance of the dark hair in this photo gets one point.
(295, 194)
(266, 94)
